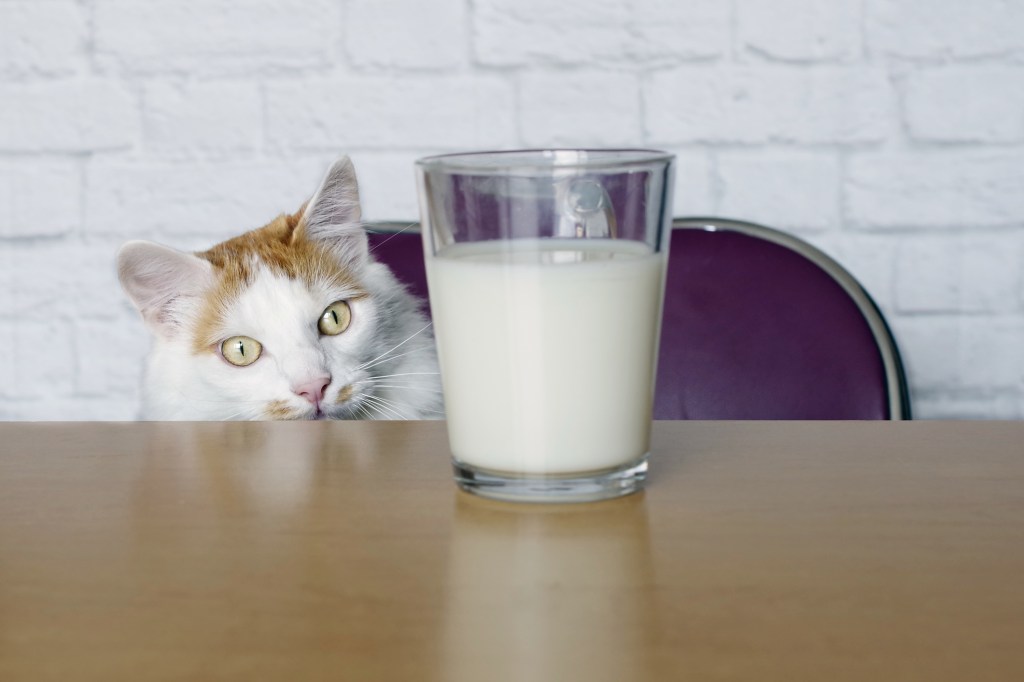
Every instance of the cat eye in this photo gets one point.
(335, 319)
(241, 350)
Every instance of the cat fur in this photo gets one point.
(272, 284)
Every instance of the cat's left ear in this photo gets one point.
(332, 215)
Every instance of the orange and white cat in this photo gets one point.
(294, 320)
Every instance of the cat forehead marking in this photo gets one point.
(279, 249)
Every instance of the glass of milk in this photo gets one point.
(546, 272)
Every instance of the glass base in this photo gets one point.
(560, 488)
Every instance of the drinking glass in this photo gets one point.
(546, 273)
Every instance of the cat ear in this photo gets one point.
(160, 281)
(332, 215)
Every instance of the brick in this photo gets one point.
(78, 276)
(39, 278)
(935, 189)
(566, 109)
(1020, 293)
(693, 194)
(7, 387)
(208, 118)
(7, 298)
(212, 201)
(910, 28)
(966, 104)
(871, 259)
(42, 37)
(518, 33)
(215, 36)
(793, 191)
(800, 30)
(769, 104)
(111, 356)
(990, 356)
(387, 184)
(39, 199)
(959, 274)
(406, 34)
(109, 408)
(666, 31)
(44, 357)
(66, 116)
(1005, 404)
(96, 290)
(386, 113)
(531, 32)
(945, 352)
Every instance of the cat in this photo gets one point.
(294, 320)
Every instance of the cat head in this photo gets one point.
(294, 320)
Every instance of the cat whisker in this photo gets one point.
(395, 347)
(395, 404)
(404, 229)
(440, 413)
(395, 357)
(391, 406)
(383, 407)
(372, 407)
(364, 410)
(373, 412)
(393, 378)
(407, 387)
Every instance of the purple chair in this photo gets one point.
(758, 324)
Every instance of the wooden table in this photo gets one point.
(326, 551)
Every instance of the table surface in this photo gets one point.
(325, 551)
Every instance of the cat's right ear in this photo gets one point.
(162, 282)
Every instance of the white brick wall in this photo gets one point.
(889, 132)
(45, 38)
(214, 37)
(800, 30)
(989, 104)
(941, 29)
(767, 103)
(756, 182)
(67, 115)
(574, 107)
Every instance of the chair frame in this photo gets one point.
(897, 390)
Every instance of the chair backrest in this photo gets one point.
(758, 324)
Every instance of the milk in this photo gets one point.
(547, 351)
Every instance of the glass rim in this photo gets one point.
(504, 161)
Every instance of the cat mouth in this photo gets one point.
(328, 412)
(345, 406)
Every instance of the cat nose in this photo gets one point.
(312, 389)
